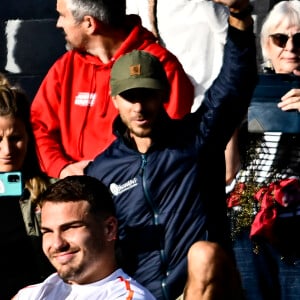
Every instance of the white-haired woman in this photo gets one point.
(263, 204)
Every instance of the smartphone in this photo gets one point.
(11, 184)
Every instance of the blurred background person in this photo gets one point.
(195, 31)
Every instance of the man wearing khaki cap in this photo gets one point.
(168, 186)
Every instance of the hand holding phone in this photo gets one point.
(11, 184)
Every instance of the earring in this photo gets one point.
(269, 64)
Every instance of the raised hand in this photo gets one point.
(237, 5)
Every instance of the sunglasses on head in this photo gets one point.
(280, 39)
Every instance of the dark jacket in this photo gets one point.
(173, 195)
(22, 261)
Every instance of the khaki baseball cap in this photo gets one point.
(137, 69)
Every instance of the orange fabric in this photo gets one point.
(128, 288)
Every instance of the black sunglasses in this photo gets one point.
(280, 39)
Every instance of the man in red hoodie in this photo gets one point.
(72, 112)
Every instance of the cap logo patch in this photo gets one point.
(135, 70)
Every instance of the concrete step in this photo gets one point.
(29, 46)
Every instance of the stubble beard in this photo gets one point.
(69, 46)
(72, 273)
(141, 132)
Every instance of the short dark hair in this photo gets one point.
(78, 188)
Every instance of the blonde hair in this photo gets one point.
(15, 104)
(282, 11)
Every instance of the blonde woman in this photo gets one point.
(21, 258)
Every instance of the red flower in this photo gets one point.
(234, 197)
(280, 192)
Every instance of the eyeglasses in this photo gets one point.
(280, 39)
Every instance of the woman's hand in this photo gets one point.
(291, 100)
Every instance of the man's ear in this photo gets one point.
(111, 228)
(90, 24)
(115, 102)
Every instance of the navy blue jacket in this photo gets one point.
(173, 195)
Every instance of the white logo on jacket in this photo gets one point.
(85, 99)
(121, 188)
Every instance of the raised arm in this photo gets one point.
(240, 13)
(227, 100)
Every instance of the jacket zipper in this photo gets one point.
(155, 221)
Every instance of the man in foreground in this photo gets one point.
(79, 230)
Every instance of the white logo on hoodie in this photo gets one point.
(85, 99)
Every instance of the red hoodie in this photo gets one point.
(72, 112)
